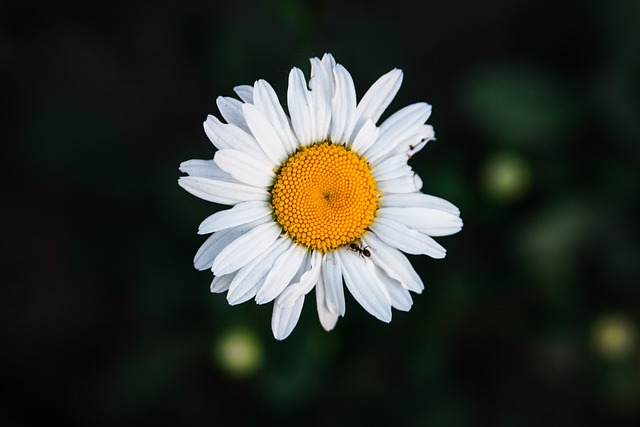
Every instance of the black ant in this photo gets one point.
(364, 252)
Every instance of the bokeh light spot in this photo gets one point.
(239, 353)
(506, 177)
(614, 336)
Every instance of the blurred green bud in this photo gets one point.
(614, 336)
(239, 353)
(506, 177)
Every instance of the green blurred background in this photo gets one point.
(532, 319)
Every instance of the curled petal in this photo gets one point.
(231, 110)
(250, 278)
(204, 169)
(245, 92)
(221, 284)
(365, 286)
(328, 318)
(281, 274)
(394, 263)
(307, 281)
(332, 277)
(284, 319)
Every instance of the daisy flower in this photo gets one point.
(322, 198)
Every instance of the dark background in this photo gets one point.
(532, 319)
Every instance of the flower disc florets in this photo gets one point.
(324, 196)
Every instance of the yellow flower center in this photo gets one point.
(324, 196)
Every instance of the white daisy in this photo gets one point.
(321, 197)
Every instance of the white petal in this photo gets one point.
(424, 135)
(223, 192)
(378, 97)
(406, 117)
(418, 200)
(407, 240)
(245, 248)
(284, 320)
(250, 278)
(432, 222)
(283, 270)
(328, 318)
(231, 110)
(405, 184)
(302, 270)
(241, 213)
(343, 105)
(230, 136)
(416, 140)
(329, 64)
(204, 169)
(321, 84)
(206, 253)
(364, 285)
(211, 247)
(209, 124)
(299, 103)
(245, 168)
(398, 296)
(329, 61)
(243, 291)
(365, 137)
(332, 277)
(410, 142)
(391, 167)
(266, 100)
(221, 284)
(245, 92)
(265, 134)
(394, 263)
(307, 281)
(398, 128)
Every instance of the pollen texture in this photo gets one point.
(324, 196)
